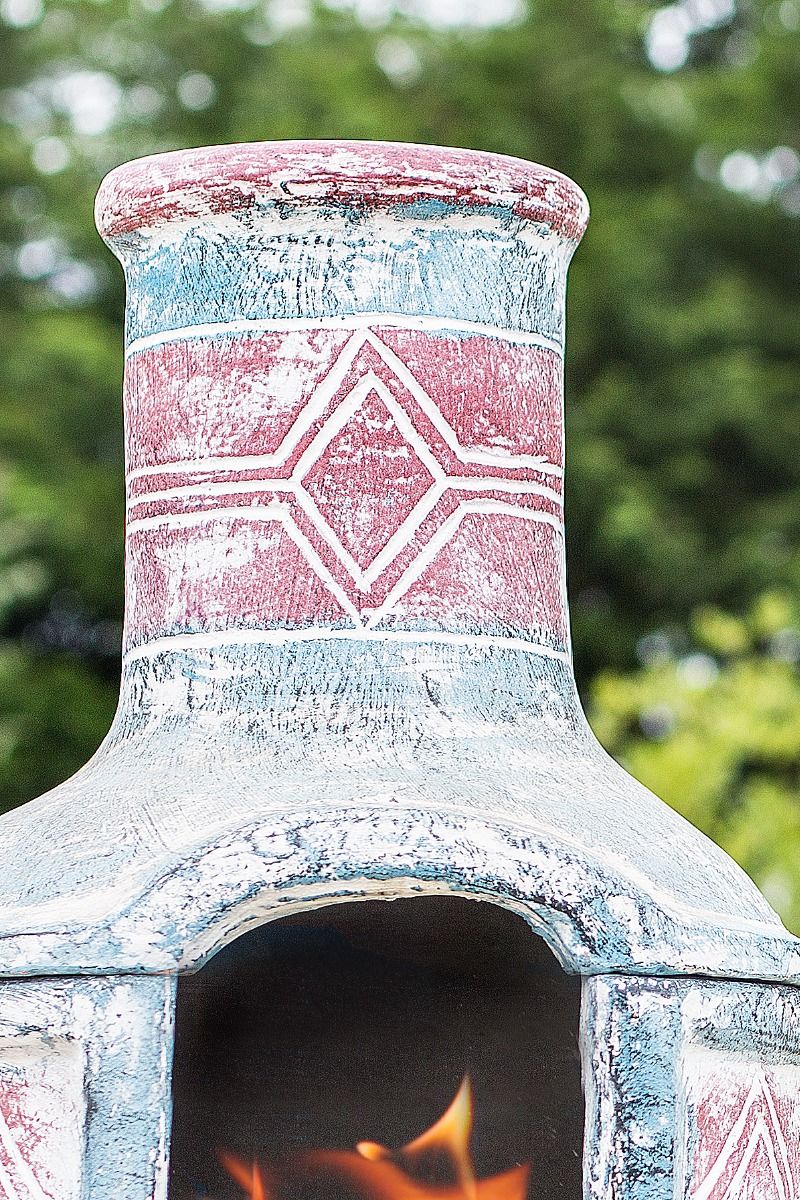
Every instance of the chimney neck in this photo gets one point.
(343, 400)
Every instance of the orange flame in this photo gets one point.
(374, 1172)
(248, 1178)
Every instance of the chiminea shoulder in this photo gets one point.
(177, 836)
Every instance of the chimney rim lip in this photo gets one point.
(206, 181)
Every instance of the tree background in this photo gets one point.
(681, 122)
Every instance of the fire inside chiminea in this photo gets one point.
(424, 1049)
(435, 1166)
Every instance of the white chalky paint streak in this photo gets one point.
(443, 535)
(772, 1138)
(364, 579)
(344, 412)
(479, 455)
(517, 487)
(731, 1142)
(364, 320)
(310, 413)
(255, 512)
(783, 1149)
(761, 1135)
(280, 512)
(221, 639)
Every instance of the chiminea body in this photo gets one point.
(347, 675)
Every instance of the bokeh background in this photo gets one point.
(681, 122)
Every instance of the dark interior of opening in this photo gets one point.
(357, 1023)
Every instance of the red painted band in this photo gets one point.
(189, 184)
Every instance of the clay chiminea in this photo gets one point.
(347, 676)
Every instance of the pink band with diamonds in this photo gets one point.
(372, 478)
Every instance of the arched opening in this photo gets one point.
(357, 1023)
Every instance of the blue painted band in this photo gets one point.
(260, 268)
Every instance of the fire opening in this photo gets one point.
(423, 1049)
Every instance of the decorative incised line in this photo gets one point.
(258, 512)
(442, 536)
(767, 1131)
(313, 412)
(225, 638)
(519, 337)
(516, 487)
(279, 512)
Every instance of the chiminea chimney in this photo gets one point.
(347, 676)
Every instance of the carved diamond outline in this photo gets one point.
(365, 577)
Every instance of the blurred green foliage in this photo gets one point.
(681, 122)
(715, 728)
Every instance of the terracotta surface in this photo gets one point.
(692, 1090)
(347, 665)
(369, 175)
(347, 675)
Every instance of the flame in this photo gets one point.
(374, 1172)
(250, 1179)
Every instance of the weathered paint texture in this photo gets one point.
(347, 674)
(347, 666)
(84, 1088)
(42, 1116)
(383, 478)
(692, 1090)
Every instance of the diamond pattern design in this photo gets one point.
(371, 481)
(368, 479)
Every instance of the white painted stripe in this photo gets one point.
(311, 412)
(369, 382)
(187, 520)
(256, 512)
(402, 536)
(481, 454)
(261, 462)
(516, 487)
(188, 491)
(760, 1135)
(769, 1133)
(364, 320)
(363, 579)
(731, 1142)
(777, 1127)
(330, 539)
(315, 562)
(289, 637)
